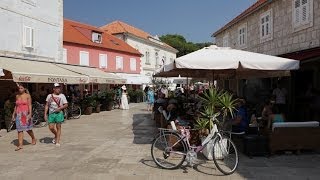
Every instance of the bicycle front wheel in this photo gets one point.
(225, 155)
(35, 118)
(9, 128)
(75, 112)
(168, 151)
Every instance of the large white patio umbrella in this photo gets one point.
(224, 63)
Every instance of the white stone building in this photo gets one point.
(286, 28)
(155, 53)
(31, 29)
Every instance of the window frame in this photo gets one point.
(135, 64)
(98, 35)
(263, 28)
(242, 36)
(31, 37)
(105, 61)
(84, 52)
(117, 68)
(225, 40)
(156, 55)
(147, 57)
(65, 55)
(302, 24)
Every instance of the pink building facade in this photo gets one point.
(131, 62)
(87, 45)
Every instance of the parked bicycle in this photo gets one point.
(73, 111)
(38, 114)
(171, 148)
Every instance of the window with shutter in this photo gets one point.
(119, 63)
(305, 11)
(133, 64)
(84, 58)
(65, 55)
(103, 61)
(28, 37)
(302, 13)
(147, 57)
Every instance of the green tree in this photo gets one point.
(180, 43)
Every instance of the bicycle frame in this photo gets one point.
(184, 137)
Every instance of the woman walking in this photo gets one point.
(22, 115)
(124, 98)
(150, 99)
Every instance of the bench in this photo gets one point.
(294, 136)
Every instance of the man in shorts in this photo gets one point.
(55, 104)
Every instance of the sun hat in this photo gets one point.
(124, 87)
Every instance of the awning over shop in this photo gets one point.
(136, 79)
(95, 75)
(39, 72)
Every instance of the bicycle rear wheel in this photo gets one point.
(225, 155)
(35, 118)
(168, 151)
(75, 112)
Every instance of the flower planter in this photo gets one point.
(88, 110)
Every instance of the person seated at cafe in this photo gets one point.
(276, 117)
(161, 100)
(241, 121)
(267, 111)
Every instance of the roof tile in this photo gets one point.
(79, 33)
(248, 11)
(119, 27)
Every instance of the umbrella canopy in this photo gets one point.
(224, 62)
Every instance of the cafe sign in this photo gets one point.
(57, 80)
(31, 78)
(24, 78)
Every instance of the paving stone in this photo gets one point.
(115, 145)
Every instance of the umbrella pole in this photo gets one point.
(188, 87)
(212, 78)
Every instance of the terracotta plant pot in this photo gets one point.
(98, 108)
(88, 110)
(109, 106)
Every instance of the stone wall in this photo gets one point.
(285, 39)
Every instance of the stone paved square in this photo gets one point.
(116, 145)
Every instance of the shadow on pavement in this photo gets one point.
(143, 128)
(16, 142)
(149, 162)
(46, 140)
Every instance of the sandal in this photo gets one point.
(53, 141)
(18, 148)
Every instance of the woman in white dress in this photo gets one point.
(124, 99)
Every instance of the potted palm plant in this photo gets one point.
(110, 95)
(97, 103)
(216, 103)
(88, 104)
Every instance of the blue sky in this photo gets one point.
(194, 19)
